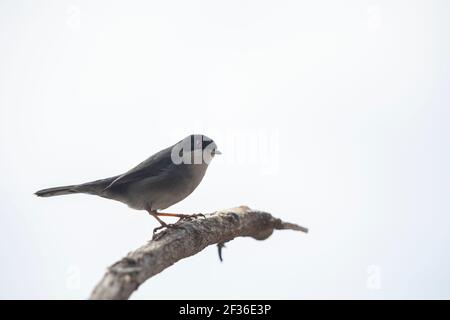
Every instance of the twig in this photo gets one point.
(171, 245)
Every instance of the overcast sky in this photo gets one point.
(330, 114)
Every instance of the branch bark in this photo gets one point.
(171, 245)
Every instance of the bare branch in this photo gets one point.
(172, 245)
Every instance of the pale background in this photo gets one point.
(331, 114)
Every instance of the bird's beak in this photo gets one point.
(217, 152)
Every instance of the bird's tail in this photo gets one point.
(58, 191)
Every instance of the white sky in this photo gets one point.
(332, 115)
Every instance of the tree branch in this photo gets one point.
(171, 245)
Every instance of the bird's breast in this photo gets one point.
(162, 193)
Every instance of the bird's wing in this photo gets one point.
(156, 166)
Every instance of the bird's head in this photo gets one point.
(195, 149)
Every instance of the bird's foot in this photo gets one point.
(190, 217)
(157, 235)
(181, 218)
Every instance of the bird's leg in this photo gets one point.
(154, 214)
(163, 225)
(182, 217)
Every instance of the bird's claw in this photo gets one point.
(172, 225)
(190, 217)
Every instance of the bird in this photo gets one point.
(165, 178)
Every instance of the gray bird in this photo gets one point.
(162, 180)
